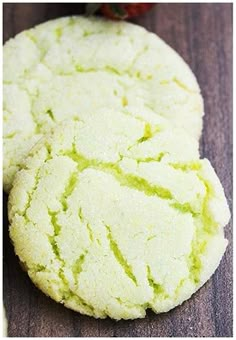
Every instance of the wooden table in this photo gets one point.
(202, 34)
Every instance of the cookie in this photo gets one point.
(114, 216)
(4, 323)
(75, 65)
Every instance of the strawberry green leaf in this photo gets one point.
(92, 8)
(118, 11)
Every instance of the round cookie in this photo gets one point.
(4, 323)
(72, 66)
(114, 216)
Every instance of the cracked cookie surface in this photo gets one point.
(72, 66)
(114, 216)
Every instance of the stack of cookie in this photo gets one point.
(111, 209)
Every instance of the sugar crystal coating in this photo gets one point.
(73, 66)
(114, 216)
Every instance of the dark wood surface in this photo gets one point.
(202, 34)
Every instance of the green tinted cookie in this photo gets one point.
(4, 323)
(74, 66)
(114, 216)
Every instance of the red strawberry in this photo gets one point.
(119, 11)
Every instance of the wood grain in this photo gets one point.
(202, 34)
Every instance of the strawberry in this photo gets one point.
(119, 11)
